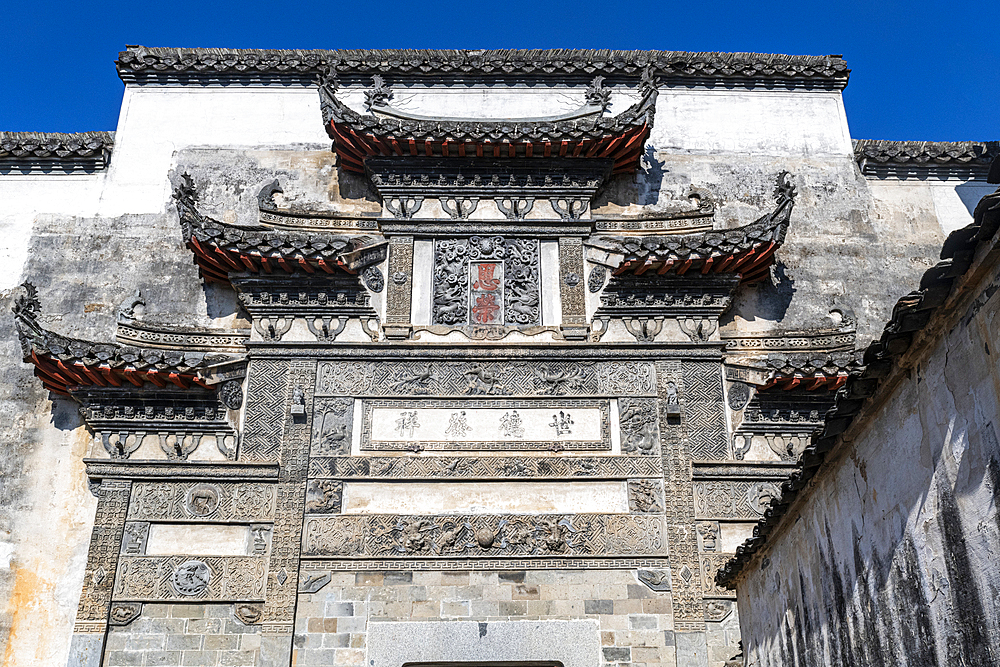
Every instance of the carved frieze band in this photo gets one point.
(487, 564)
(571, 282)
(190, 578)
(390, 536)
(486, 424)
(400, 275)
(733, 500)
(486, 467)
(202, 501)
(102, 556)
(514, 378)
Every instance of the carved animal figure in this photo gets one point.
(480, 379)
(559, 381)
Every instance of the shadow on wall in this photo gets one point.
(970, 194)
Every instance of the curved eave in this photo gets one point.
(818, 382)
(353, 147)
(215, 262)
(61, 377)
(752, 264)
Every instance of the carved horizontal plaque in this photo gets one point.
(392, 536)
(733, 500)
(486, 467)
(495, 424)
(500, 378)
(205, 501)
(190, 578)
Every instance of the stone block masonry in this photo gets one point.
(183, 635)
(594, 617)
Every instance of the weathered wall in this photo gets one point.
(894, 557)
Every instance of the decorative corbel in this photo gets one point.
(320, 327)
(644, 329)
(272, 328)
(517, 209)
(573, 209)
(403, 207)
(463, 206)
(698, 329)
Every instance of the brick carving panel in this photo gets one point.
(733, 500)
(515, 378)
(102, 557)
(486, 467)
(202, 501)
(390, 536)
(704, 411)
(264, 410)
(190, 578)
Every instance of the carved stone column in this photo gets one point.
(399, 288)
(283, 569)
(572, 290)
(99, 577)
(686, 580)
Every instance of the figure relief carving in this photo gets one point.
(134, 542)
(739, 395)
(384, 536)
(657, 580)
(123, 613)
(191, 578)
(323, 496)
(645, 495)
(373, 279)
(231, 394)
(637, 419)
(598, 275)
(202, 500)
(709, 531)
(333, 419)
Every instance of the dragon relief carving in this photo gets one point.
(486, 280)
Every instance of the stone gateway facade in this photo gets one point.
(386, 358)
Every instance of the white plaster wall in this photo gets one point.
(484, 498)
(897, 549)
(908, 201)
(157, 121)
(795, 123)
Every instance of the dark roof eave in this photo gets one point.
(138, 62)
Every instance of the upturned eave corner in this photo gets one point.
(66, 365)
(748, 251)
(222, 249)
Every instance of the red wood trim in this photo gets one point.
(283, 263)
(529, 149)
(132, 376)
(323, 265)
(110, 376)
(685, 265)
(623, 268)
(306, 266)
(178, 380)
(95, 378)
(666, 267)
(154, 377)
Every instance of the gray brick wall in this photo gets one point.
(635, 622)
(175, 635)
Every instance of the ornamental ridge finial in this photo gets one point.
(379, 94)
(598, 95)
(27, 305)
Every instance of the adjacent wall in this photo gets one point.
(894, 558)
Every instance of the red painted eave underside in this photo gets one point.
(806, 382)
(752, 264)
(625, 148)
(59, 377)
(217, 263)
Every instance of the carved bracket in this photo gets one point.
(403, 207)
(644, 329)
(462, 208)
(698, 329)
(570, 209)
(517, 209)
(272, 328)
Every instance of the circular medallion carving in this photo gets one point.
(485, 538)
(572, 279)
(202, 499)
(760, 496)
(191, 577)
(399, 278)
(739, 395)
(373, 279)
(231, 394)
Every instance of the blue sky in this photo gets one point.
(921, 70)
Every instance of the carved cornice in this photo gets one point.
(923, 159)
(269, 214)
(179, 470)
(64, 363)
(221, 248)
(153, 64)
(51, 151)
(747, 251)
